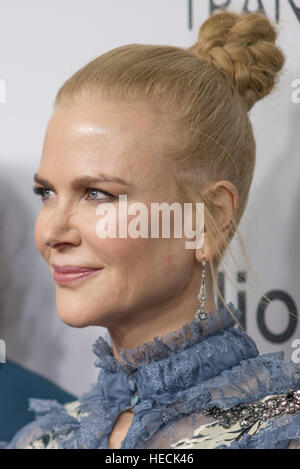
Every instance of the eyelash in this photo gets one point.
(41, 192)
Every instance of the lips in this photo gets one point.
(73, 269)
(69, 274)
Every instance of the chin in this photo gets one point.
(74, 319)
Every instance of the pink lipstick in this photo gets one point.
(68, 274)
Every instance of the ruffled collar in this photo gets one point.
(167, 345)
(170, 364)
(195, 367)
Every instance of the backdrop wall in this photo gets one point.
(41, 45)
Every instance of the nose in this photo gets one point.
(58, 244)
(60, 231)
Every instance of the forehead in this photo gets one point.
(120, 137)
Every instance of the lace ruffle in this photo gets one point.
(165, 346)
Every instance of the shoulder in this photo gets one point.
(48, 440)
(34, 436)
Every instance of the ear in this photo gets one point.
(225, 198)
(205, 252)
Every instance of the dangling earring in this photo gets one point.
(201, 314)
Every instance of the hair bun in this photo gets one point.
(242, 46)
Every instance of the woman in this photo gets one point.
(160, 124)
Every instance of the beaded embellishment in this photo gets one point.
(248, 414)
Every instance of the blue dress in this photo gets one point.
(202, 386)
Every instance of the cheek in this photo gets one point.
(115, 251)
(176, 263)
(169, 263)
(118, 250)
(150, 255)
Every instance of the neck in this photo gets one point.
(138, 328)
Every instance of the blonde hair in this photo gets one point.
(203, 95)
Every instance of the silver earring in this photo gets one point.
(201, 314)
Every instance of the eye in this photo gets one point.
(40, 191)
(91, 190)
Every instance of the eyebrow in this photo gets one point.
(83, 181)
